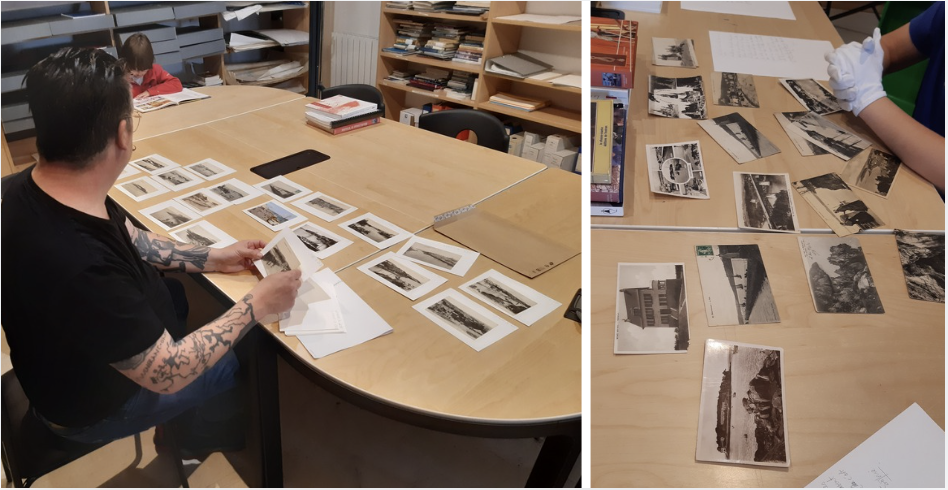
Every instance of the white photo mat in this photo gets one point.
(227, 188)
(421, 248)
(306, 229)
(213, 167)
(185, 179)
(374, 221)
(499, 330)
(533, 304)
(214, 199)
(428, 281)
(148, 163)
(170, 210)
(304, 203)
(203, 228)
(143, 183)
(275, 216)
(282, 182)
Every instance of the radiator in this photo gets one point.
(354, 59)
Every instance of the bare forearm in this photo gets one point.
(917, 146)
(899, 50)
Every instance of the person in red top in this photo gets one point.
(146, 77)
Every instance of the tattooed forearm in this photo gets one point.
(169, 255)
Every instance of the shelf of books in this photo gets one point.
(570, 27)
(433, 15)
(538, 83)
(434, 94)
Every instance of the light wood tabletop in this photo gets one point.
(846, 375)
(912, 203)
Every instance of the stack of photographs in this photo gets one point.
(738, 138)
(285, 253)
(681, 98)
(839, 276)
(875, 173)
(821, 132)
(734, 90)
(674, 52)
(923, 263)
(651, 309)
(764, 202)
(812, 95)
(735, 285)
(676, 169)
(836, 203)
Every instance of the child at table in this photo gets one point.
(147, 78)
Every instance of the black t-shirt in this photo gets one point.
(76, 297)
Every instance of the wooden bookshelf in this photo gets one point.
(281, 15)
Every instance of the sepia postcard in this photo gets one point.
(839, 276)
(375, 230)
(210, 169)
(234, 191)
(734, 90)
(467, 321)
(177, 179)
(170, 214)
(402, 276)
(674, 52)
(441, 256)
(764, 202)
(142, 188)
(680, 98)
(274, 215)
(203, 234)
(820, 131)
(676, 169)
(153, 163)
(203, 202)
(324, 207)
(804, 146)
(742, 417)
(282, 188)
(812, 95)
(651, 309)
(286, 253)
(322, 242)
(872, 171)
(923, 263)
(735, 285)
(836, 203)
(128, 171)
(739, 138)
(512, 298)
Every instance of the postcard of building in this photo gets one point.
(839, 276)
(734, 90)
(764, 202)
(177, 179)
(375, 230)
(873, 171)
(154, 163)
(676, 169)
(923, 263)
(170, 214)
(210, 169)
(674, 52)
(285, 253)
(823, 133)
(142, 188)
(679, 98)
(235, 191)
(651, 309)
(464, 319)
(512, 298)
(274, 215)
(441, 256)
(203, 201)
(812, 95)
(324, 207)
(837, 205)
(735, 285)
(402, 276)
(203, 234)
(322, 242)
(739, 138)
(282, 188)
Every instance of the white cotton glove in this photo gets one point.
(855, 72)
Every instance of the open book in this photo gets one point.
(156, 102)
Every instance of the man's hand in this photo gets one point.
(236, 257)
(855, 72)
(276, 293)
(143, 95)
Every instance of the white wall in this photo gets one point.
(360, 18)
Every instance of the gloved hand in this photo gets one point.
(856, 73)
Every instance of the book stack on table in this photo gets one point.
(340, 114)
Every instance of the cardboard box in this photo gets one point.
(410, 116)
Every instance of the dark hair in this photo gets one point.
(137, 52)
(78, 97)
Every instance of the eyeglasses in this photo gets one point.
(137, 116)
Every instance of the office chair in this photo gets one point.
(359, 91)
(489, 130)
(608, 13)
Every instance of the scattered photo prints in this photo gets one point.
(282, 188)
(128, 171)
(286, 253)
(651, 309)
(812, 95)
(320, 241)
(823, 133)
(234, 191)
(839, 275)
(407, 279)
(324, 207)
(681, 98)
(210, 169)
(154, 163)
(923, 263)
(142, 188)
(274, 215)
(375, 230)
(463, 318)
(738, 138)
(510, 297)
(441, 256)
(874, 173)
(203, 202)
(177, 179)
(764, 202)
(676, 169)
(734, 89)
(742, 418)
(674, 52)
(170, 214)
(804, 146)
(203, 234)
(836, 203)
(735, 285)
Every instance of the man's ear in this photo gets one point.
(123, 135)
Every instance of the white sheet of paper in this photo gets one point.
(568, 81)
(908, 452)
(316, 310)
(772, 10)
(769, 56)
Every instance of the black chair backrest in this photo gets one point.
(359, 91)
(608, 13)
(489, 130)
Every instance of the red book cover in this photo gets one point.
(613, 52)
(348, 127)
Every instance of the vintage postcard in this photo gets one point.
(812, 95)
(735, 285)
(839, 276)
(177, 179)
(203, 202)
(153, 163)
(512, 298)
(142, 188)
(375, 230)
(804, 146)
(461, 317)
(764, 202)
(234, 191)
(128, 171)
(836, 203)
(742, 416)
(210, 169)
(681, 98)
(282, 188)
(170, 214)
(274, 215)
(674, 52)
(320, 241)
(923, 263)
(738, 138)
(324, 207)
(441, 256)
(734, 89)
(402, 276)
(676, 169)
(286, 253)
(823, 133)
(203, 234)
(651, 309)
(875, 172)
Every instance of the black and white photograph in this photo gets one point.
(839, 276)
(210, 169)
(274, 215)
(154, 163)
(837, 204)
(402, 276)
(234, 191)
(734, 90)
(735, 285)
(679, 98)
(203, 234)
(322, 242)
(142, 188)
(129, 171)
(467, 321)
(178, 178)
(438, 255)
(923, 263)
(812, 95)
(823, 133)
(873, 171)
(324, 207)
(285, 253)
(806, 147)
(676, 169)
(742, 417)
(510, 297)
(170, 214)
(203, 202)
(375, 230)
(282, 188)
(739, 138)
(651, 309)
(764, 202)
(674, 52)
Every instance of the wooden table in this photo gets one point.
(912, 204)
(846, 375)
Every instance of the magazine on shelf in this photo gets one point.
(155, 102)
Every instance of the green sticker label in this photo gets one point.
(704, 250)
